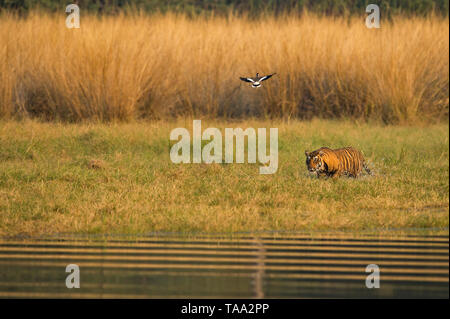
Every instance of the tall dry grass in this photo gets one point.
(126, 67)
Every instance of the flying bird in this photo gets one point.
(256, 81)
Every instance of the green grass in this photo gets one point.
(48, 185)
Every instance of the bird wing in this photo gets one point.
(247, 80)
(266, 77)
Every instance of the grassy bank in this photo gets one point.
(164, 66)
(118, 178)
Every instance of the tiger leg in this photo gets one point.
(335, 175)
(320, 174)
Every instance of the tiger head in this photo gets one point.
(315, 162)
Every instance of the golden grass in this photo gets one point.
(122, 68)
(48, 186)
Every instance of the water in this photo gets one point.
(262, 266)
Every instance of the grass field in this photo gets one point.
(166, 66)
(118, 179)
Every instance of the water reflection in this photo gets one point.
(263, 266)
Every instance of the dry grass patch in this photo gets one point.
(161, 66)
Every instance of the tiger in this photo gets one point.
(334, 163)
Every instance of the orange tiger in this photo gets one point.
(334, 163)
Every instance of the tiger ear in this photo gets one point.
(321, 153)
(307, 153)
